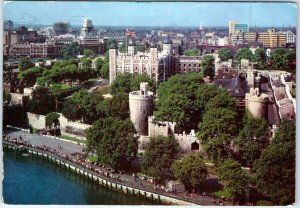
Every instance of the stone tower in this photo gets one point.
(167, 46)
(141, 106)
(131, 47)
(113, 50)
(257, 103)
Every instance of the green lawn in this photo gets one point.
(73, 139)
(92, 158)
(223, 192)
(264, 203)
(65, 87)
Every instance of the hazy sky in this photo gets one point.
(152, 13)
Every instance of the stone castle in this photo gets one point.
(158, 65)
(147, 126)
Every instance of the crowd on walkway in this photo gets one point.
(79, 158)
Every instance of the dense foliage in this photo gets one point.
(160, 154)
(114, 141)
(29, 76)
(244, 53)
(52, 119)
(234, 178)
(42, 101)
(126, 83)
(25, 63)
(192, 52)
(224, 54)
(177, 100)
(208, 66)
(190, 170)
(275, 168)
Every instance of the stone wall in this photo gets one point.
(67, 127)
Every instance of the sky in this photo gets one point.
(152, 13)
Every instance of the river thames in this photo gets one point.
(29, 180)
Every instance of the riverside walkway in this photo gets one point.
(68, 148)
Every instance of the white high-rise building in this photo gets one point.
(290, 37)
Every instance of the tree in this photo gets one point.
(234, 178)
(126, 83)
(119, 106)
(30, 75)
(177, 100)
(217, 121)
(123, 48)
(99, 63)
(70, 51)
(104, 72)
(275, 172)
(275, 168)
(56, 90)
(160, 154)
(252, 139)
(42, 101)
(222, 100)
(190, 170)
(114, 141)
(208, 66)
(89, 53)
(52, 118)
(279, 58)
(224, 54)
(192, 52)
(25, 63)
(71, 110)
(260, 57)
(291, 58)
(244, 53)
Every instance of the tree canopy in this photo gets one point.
(114, 141)
(208, 66)
(177, 100)
(275, 169)
(190, 170)
(278, 58)
(42, 101)
(252, 139)
(159, 155)
(30, 75)
(260, 57)
(25, 63)
(244, 53)
(126, 83)
(192, 52)
(224, 54)
(235, 179)
(89, 53)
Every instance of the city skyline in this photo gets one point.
(152, 14)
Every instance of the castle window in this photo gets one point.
(195, 65)
(189, 65)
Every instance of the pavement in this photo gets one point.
(35, 139)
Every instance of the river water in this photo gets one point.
(30, 180)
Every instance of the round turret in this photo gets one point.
(141, 107)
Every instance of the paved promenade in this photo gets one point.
(35, 139)
(69, 148)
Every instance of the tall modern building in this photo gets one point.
(231, 27)
(240, 27)
(61, 28)
(290, 37)
(235, 27)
